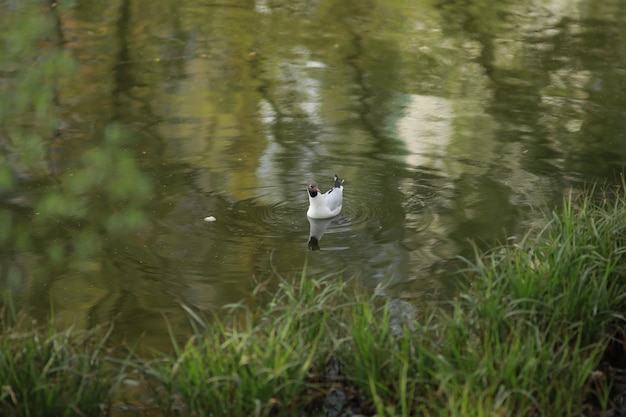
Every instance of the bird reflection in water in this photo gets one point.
(318, 228)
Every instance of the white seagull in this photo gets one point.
(327, 205)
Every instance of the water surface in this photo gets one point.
(453, 123)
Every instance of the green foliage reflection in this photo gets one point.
(64, 212)
(108, 190)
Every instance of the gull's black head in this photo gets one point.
(313, 189)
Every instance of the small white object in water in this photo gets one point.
(209, 219)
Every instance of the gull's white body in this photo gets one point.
(326, 205)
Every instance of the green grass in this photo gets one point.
(44, 372)
(257, 361)
(524, 338)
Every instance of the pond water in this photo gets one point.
(452, 122)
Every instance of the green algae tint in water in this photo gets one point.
(451, 122)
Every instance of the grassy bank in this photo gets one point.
(525, 338)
